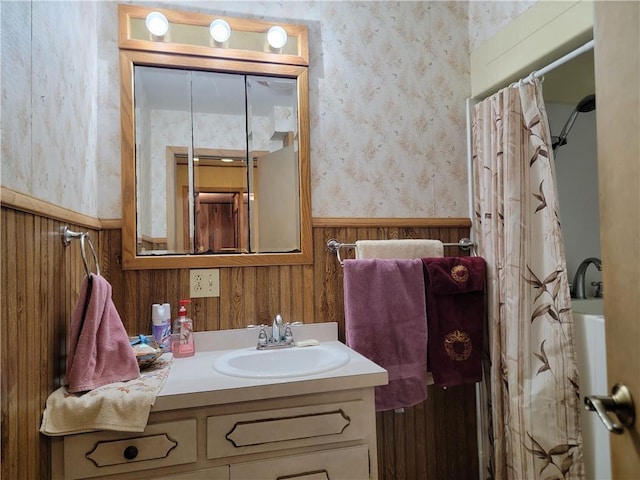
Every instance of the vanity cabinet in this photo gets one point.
(337, 464)
(328, 435)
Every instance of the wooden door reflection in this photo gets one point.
(221, 222)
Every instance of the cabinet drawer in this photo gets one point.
(105, 453)
(215, 473)
(351, 463)
(270, 430)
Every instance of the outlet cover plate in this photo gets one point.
(204, 282)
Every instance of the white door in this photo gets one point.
(277, 206)
(617, 74)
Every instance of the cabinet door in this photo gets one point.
(217, 473)
(350, 463)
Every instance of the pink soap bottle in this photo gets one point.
(182, 343)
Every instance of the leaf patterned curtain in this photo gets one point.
(531, 400)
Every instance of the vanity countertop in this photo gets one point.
(193, 382)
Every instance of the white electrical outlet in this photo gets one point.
(204, 282)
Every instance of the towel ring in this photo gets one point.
(68, 235)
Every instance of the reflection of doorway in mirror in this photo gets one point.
(221, 222)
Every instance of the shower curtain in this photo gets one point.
(531, 405)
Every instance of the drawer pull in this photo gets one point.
(130, 452)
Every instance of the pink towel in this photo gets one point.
(99, 349)
(385, 319)
(455, 313)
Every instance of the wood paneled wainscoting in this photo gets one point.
(40, 284)
(434, 440)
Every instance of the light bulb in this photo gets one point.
(157, 24)
(277, 37)
(220, 30)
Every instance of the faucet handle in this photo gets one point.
(262, 336)
(288, 334)
(598, 293)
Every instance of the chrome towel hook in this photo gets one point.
(68, 236)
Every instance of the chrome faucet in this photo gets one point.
(276, 329)
(578, 286)
(281, 335)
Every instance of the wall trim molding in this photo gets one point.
(26, 203)
(390, 222)
(111, 223)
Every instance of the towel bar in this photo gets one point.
(68, 235)
(334, 246)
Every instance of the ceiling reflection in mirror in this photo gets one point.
(217, 162)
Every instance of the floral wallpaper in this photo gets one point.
(388, 82)
(49, 111)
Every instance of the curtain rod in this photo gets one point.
(562, 60)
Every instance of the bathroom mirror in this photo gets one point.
(215, 145)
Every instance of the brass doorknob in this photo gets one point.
(619, 403)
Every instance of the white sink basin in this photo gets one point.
(590, 306)
(281, 363)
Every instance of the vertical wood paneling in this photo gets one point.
(31, 249)
(248, 309)
(46, 309)
(19, 319)
(285, 291)
(41, 281)
(39, 290)
(435, 439)
(241, 300)
(9, 331)
(273, 304)
(308, 304)
(420, 440)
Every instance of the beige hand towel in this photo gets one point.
(399, 249)
(120, 406)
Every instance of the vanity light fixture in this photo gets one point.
(220, 30)
(277, 37)
(157, 24)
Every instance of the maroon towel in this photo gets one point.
(99, 349)
(385, 319)
(455, 317)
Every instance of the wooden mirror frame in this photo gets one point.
(193, 57)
